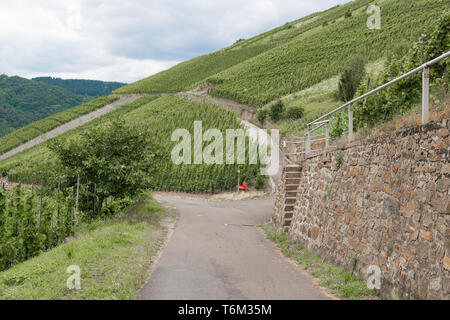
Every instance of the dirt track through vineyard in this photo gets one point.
(71, 125)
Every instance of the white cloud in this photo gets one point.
(128, 40)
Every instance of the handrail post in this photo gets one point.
(308, 141)
(327, 135)
(350, 122)
(425, 95)
(295, 153)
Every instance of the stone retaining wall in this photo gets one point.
(386, 202)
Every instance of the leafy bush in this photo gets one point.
(261, 182)
(295, 112)
(276, 111)
(400, 97)
(262, 114)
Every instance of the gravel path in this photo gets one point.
(243, 111)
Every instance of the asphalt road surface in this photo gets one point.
(217, 252)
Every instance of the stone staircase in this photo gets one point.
(287, 196)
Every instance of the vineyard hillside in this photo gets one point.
(37, 128)
(299, 54)
(160, 116)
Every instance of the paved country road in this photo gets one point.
(217, 252)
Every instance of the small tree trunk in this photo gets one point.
(40, 208)
(100, 204)
(94, 208)
(87, 197)
(76, 204)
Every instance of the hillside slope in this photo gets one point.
(160, 116)
(23, 101)
(299, 54)
(90, 88)
(188, 74)
(35, 129)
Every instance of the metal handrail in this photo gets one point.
(384, 86)
(320, 122)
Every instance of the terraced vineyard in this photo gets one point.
(188, 74)
(322, 53)
(299, 54)
(160, 116)
(35, 129)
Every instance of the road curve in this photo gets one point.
(217, 252)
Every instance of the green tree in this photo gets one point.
(351, 79)
(116, 157)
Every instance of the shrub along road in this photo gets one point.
(217, 251)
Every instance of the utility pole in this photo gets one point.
(239, 180)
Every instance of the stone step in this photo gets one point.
(291, 187)
(291, 194)
(293, 181)
(287, 223)
(291, 168)
(288, 208)
(288, 215)
(293, 175)
(290, 200)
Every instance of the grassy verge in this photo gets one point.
(342, 283)
(113, 257)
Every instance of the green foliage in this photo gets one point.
(115, 157)
(400, 97)
(35, 129)
(22, 233)
(160, 117)
(23, 101)
(318, 53)
(261, 182)
(351, 79)
(110, 252)
(262, 115)
(204, 69)
(342, 282)
(276, 111)
(439, 42)
(186, 74)
(338, 160)
(25, 233)
(91, 88)
(295, 112)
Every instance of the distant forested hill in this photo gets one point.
(91, 88)
(23, 101)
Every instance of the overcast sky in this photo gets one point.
(125, 41)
